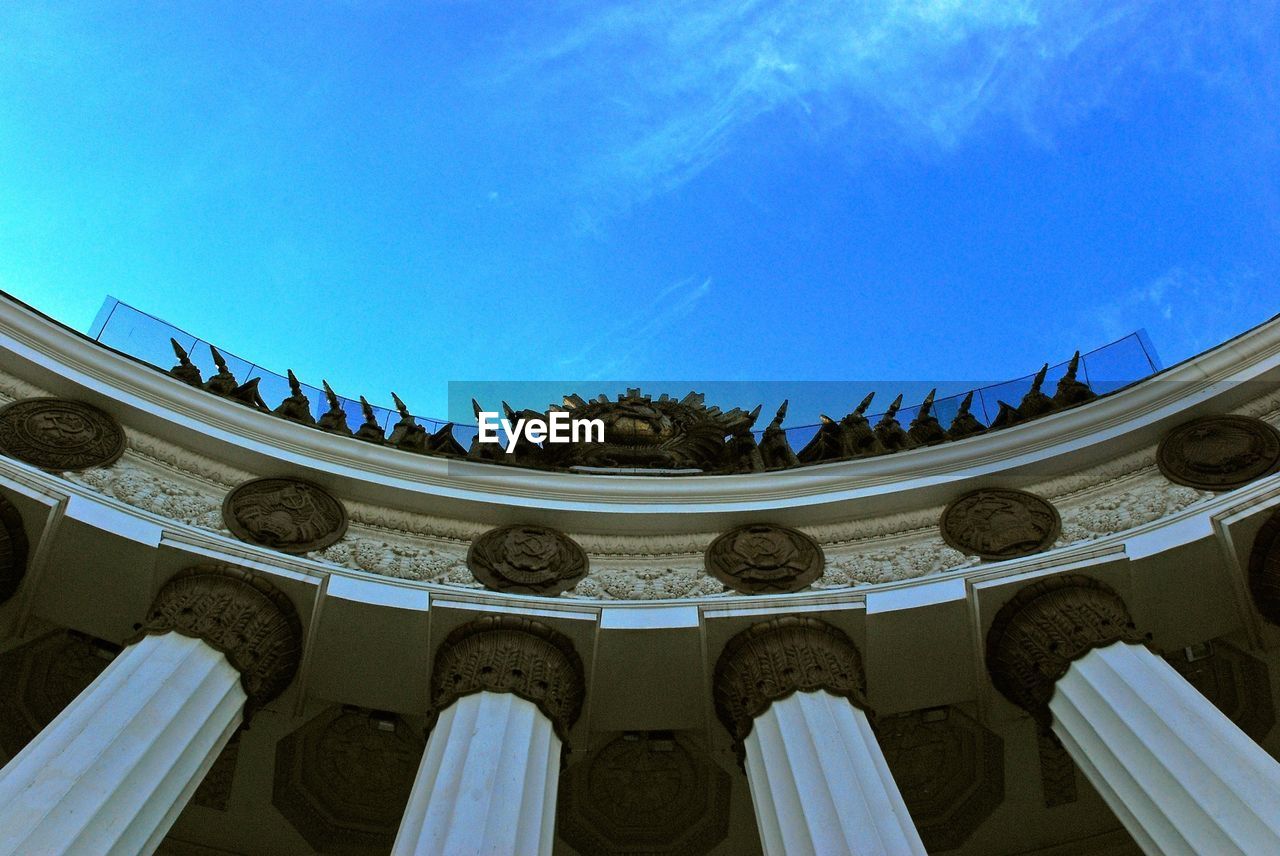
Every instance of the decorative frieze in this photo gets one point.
(41, 677)
(1000, 523)
(651, 793)
(511, 654)
(949, 768)
(58, 434)
(773, 659)
(1044, 628)
(286, 514)
(528, 559)
(238, 613)
(763, 559)
(13, 549)
(1219, 452)
(343, 779)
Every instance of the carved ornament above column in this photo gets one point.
(771, 660)
(511, 654)
(238, 613)
(1045, 627)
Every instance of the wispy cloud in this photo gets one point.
(1186, 311)
(673, 86)
(618, 349)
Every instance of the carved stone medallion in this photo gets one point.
(644, 794)
(527, 559)
(1219, 452)
(760, 558)
(13, 550)
(343, 779)
(1000, 523)
(58, 434)
(950, 769)
(285, 514)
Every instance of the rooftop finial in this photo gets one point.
(334, 420)
(965, 423)
(185, 370)
(369, 431)
(1070, 390)
(224, 382)
(925, 429)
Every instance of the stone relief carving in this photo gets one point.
(1219, 452)
(343, 779)
(527, 558)
(59, 434)
(1000, 523)
(949, 768)
(644, 793)
(178, 484)
(240, 614)
(761, 558)
(41, 677)
(511, 654)
(1047, 625)
(773, 659)
(286, 514)
(1057, 770)
(13, 549)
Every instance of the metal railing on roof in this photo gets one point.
(141, 335)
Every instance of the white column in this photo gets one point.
(1180, 776)
(820, 783)
(487, 782)
(111, 773)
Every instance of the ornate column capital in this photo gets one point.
(238, 613)
(776, 658)
(1045, 627)
(1264, 570)
(511, 654)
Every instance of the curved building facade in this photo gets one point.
(232, 626)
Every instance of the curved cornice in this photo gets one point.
(66, 363)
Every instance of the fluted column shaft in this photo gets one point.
(505, 690)
(1180, 776)
(487, 782)
(820, 784)
(112, 772)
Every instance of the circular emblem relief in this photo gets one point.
(59, 434)
(286, 514)
(1219, 452)
(526, 558)
(1000, 523)
(760, 558)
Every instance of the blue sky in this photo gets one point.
(399, 195)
